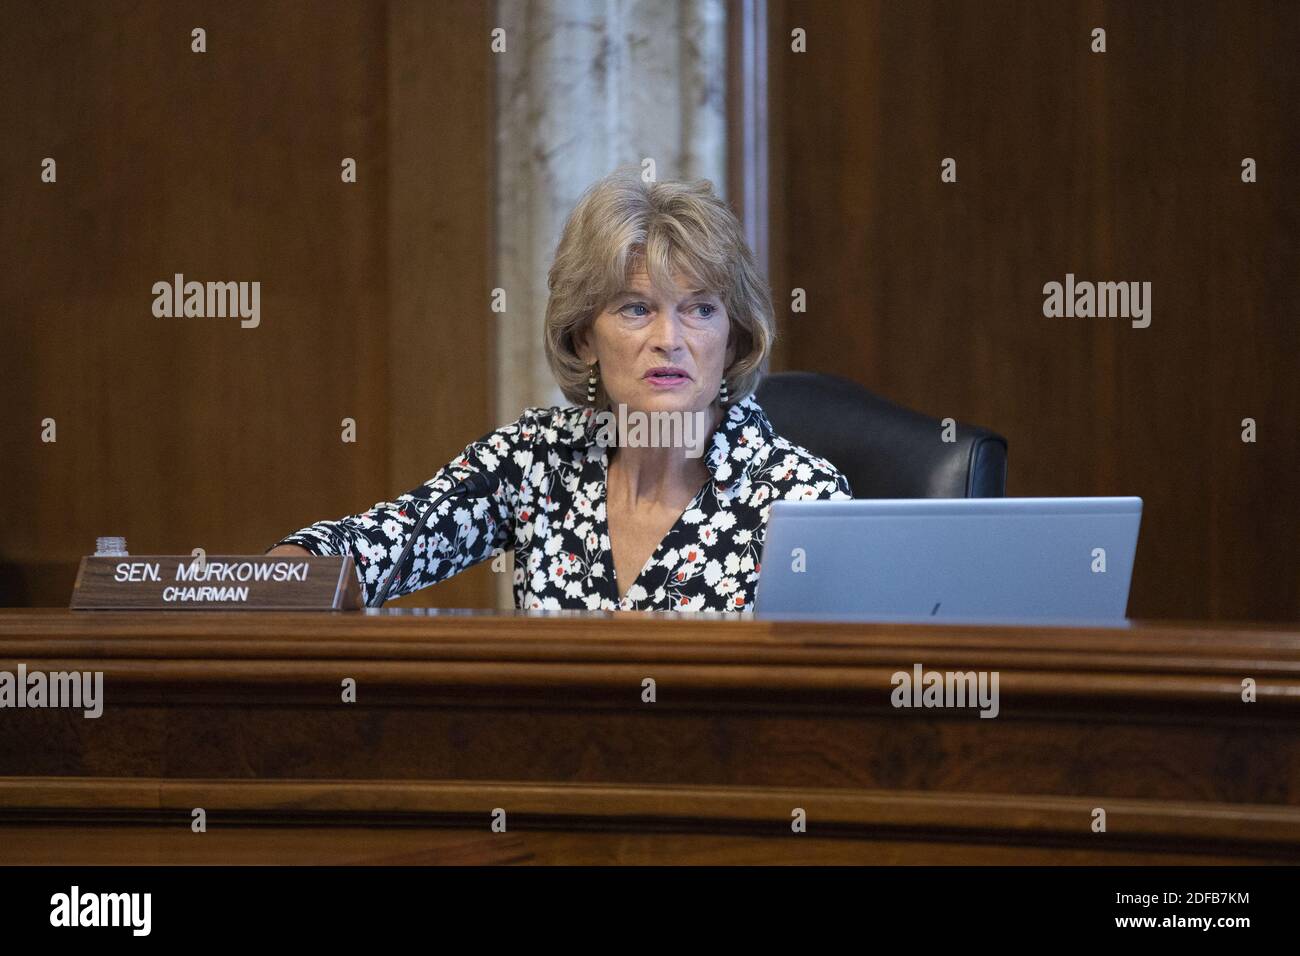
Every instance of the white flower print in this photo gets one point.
(713, 575)
(723, 520)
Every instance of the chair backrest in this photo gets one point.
(883, 449)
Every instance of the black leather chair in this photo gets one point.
(884, 450)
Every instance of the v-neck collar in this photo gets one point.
(600, 467)
(741, 442)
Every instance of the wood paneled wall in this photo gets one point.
(225, 166)
(1123, 165)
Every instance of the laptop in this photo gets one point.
(960, 560)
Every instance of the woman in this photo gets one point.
(655, 307)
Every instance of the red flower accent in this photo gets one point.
(681, 575)
(685, 601)
(525, 515)
(740, 599)
(691, 556)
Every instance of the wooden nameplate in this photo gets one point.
(183, 582)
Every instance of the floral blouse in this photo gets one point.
(550, 508)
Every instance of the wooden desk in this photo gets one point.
(461, 713)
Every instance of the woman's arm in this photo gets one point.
(462, 533)
(288, 551)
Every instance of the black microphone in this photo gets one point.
(477, 485)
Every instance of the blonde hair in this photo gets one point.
(622, 224)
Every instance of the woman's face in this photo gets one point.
(661, 350)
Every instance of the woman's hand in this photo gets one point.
(288, 551)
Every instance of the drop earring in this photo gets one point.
(723, 397)
(591, 383)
